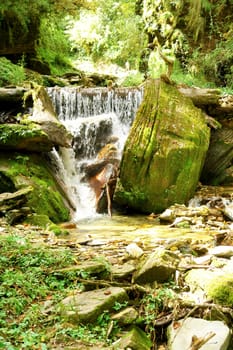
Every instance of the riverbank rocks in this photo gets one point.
(159, 266)
(87, 306)
(29, 130)
(164, 153)
(193, 333)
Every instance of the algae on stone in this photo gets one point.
(31, 170)
(24, 137)
(164, 152)
(220, 289)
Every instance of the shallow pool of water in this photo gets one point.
(133, 228)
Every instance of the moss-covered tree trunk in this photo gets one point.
(164, 152)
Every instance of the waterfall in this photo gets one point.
(95, 117)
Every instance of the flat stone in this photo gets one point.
(87, 306)
(90, 267)
(181, 333)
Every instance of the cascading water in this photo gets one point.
(94, 116)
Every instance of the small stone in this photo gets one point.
(134, 250)
(167, 215)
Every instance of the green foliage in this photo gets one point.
(217, 65)
(154, 304)
(10, 73)
(24, 11)
(25, 282)
(53, 46)
(29, 277)
(134, 78)
(27, 11)
(105, 36)
(118, 306)
(195, 77)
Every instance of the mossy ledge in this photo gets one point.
(24, 170)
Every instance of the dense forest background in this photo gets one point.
(138, 37)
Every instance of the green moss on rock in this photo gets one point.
(164, 152)
(30, 137)
(220, 289)
(31, 170)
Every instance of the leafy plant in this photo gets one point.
(154, 304)
(53, 46)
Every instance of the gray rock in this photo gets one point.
(180, 334)
(87, 306)
(159, 266)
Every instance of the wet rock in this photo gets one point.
(135, 339)
(199, 279)
(126, 317)
(159, 266)
(15, 215)
(186, 333)
(87, 306)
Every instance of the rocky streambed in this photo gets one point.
(159, 282)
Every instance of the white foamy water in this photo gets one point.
(93, 116)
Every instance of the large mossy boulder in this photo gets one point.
(165, 151)
(19, 171)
